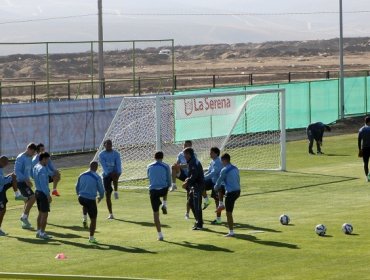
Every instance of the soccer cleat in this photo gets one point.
(164, 210)
(220, 208)
(45, 236)
(37, 234)
(173, 188)
(19, 197)
(197, 228)
(229, 235)
(115, 194)
(84, 223)
(25, 223)
(186, 216)
(2, 233)
(93, 240)
(55, 192)
(110, 217)
(216, 222)
(160, 238)
(206, 203)
(320, 153)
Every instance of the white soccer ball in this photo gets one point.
(320, 229)
(347, 228)
(284, 219)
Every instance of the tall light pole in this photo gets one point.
(101, 50)
(341, 58)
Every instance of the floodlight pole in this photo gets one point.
(341, 58)
(100, 56)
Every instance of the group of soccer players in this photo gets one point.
(221, 178)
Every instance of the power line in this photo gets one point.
(184, 15)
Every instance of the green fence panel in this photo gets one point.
(297, 96)
(324, 101)
(354, 95)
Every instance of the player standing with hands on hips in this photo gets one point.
(88, 185)
(194, 183)
(110, 161)
(364, 146)
(315, 132)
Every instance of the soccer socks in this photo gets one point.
(220, 203)
(17, 193)
(206, 200)
(24, 216)
(164, 203)
(84, 217)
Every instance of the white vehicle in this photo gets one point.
(165, 52)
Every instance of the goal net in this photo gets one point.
(249, 125)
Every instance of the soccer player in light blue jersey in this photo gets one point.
(180, 171)
(41, 175)
(23, 169)
(89, 184)
(159, 175)
(210, 178)
(55, 174)
(6, 182)
(229, 178)
(110, 161)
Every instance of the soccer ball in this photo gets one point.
(320, 229)
(347, 228)
(284, 219)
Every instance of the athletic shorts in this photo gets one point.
(25, 190)
(42, 201)
(3, 198)
(90, 205)
(182, 176)
(107, 181)
(208, 184)
(51, 179)
(230, 198)
(155, 198)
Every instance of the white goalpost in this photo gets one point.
(249, 125)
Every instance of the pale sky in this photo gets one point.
(186, 30)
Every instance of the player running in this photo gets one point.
(88, 185)
(315, 132)
(364, 146)
(210, 178)
(180, 171)
(55, 174)
(159, 175)
(194, 184)
(41, 174)
(6, 182)
(228, 183)
(110, 161)
(23, 169)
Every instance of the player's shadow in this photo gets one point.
(106, 247)
(74, 228)
(199, 246)
(250, 227)
(143, 224)
(64, 235)
(36, 240)
(337, 155)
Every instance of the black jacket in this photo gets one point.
(195, 174)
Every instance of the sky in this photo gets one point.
(123, 22)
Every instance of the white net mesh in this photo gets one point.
(247, 126)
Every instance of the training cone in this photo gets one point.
(60, 256)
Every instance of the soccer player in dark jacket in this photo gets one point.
(195, 184)
(315, 131)
(364, 145)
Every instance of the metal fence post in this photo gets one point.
(328, 75)
(251, 79)
(175, 82)
(289, 77)
(139, 85)
(214, 81)
(133, 68)
(69, 89)
(34, 90)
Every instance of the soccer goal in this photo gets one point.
(249, 125)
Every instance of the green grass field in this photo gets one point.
(328, 189)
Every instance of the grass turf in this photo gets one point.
(329, 189)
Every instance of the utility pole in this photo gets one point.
(101, 50)
(341, 58)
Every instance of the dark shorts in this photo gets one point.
(155, 198)
(25, 190)
(182, 176)
(230, 199)
(107, 181)
(42, 201)
(3, 198)
(90, 205)
(51, 179)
